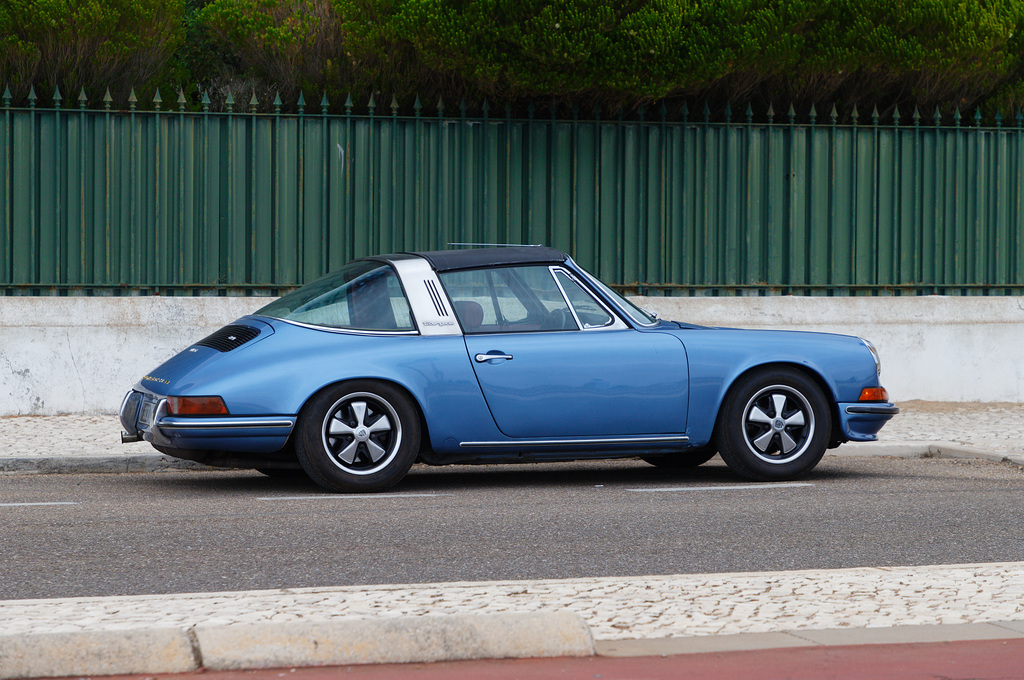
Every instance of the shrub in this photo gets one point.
(90, 44)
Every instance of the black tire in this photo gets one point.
(681, 460)
(775, 424)
(377, 436)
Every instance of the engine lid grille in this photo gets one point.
(229, 338)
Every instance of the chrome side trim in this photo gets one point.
(272, 423)
(668, 439)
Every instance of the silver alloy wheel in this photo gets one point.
(778, 424)
(361, 433)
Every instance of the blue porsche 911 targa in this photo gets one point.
(496, 355)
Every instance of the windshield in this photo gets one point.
(641, 316)
(362, 295)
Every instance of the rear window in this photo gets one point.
(363, 296)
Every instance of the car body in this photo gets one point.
(495, 355)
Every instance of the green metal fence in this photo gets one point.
(179, 202)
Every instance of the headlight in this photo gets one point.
(874, 355)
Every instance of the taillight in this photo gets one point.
(196, 406)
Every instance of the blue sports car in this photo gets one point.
(490, 355)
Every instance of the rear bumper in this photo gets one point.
(144, 417)
(861, 421)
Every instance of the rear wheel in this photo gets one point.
(774, 425)
(358, 436)
(688, 458)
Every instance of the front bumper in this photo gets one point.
(861, 421)
(144, 416)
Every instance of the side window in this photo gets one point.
(588, 311)
(508, 300)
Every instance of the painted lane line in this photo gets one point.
(22, 505)
(735, 487)
(353, 496)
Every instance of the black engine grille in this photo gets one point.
(229, 338)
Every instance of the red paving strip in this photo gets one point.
(967, 660)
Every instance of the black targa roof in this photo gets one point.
(473, 258)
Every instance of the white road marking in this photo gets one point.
(22, 505)
(733, 487)
(353, 496)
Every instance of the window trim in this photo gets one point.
(614, 324)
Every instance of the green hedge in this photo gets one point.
(90, 44)
(925, 53)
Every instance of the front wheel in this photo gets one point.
(358, 436)
(774, 425)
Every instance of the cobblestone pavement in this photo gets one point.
(998, 427)
(614, 608)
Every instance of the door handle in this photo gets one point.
(481, 358)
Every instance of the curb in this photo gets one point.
(346, 641)
(156, 462)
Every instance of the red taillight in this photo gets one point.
(196, 406)
(873, 394)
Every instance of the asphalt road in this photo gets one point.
(86, 535)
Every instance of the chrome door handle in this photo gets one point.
(481, 358)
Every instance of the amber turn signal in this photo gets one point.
(196, 406)
(873, 394)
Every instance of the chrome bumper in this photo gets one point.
(144, 417)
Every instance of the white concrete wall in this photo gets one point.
(80, 355)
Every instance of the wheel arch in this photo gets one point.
(424, 439)
(808, 371)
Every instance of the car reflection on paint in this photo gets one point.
(497, 355)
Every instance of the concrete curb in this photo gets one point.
(153, 462)
(51, 655)
(156, 462)
(277, 645)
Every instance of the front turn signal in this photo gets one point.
(196, 406)
(873, 394)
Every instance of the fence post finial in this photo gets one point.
(770, 113)
(854, 115)
(977, 117)
(834, 115)
(206, 101)
(253, 103)
(896, 115)
(999, 118)
(750, 114)
(324, 104)
(301, 103)
(956, 117)
(417, 106)
(937, 117)
(394, 106)
(707, 111)
(684, 112)
(229, 103)
(277, 104)
(181, 100)
(916, 117)
(440, 107)
(82, 99)
(157, 100)
(371, 105)
(791, 115)
(486, 108)
(133, 100)
(56, 97)
(874, 115)
(1020, 117)
(812, 115)
(7, 97)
